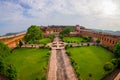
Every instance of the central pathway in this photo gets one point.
(60, 67)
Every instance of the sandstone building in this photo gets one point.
(105, 38)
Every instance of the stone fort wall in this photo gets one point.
(105, 38)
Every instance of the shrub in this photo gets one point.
(4, 50)
(66, 46)
(88, 44)
(106, 47)
(118, 62)
(11, 72)
(98, 41)
(108, 66)
(117, 49)
(68, 53)
(114, 61)
(52, 36)
(2, 65)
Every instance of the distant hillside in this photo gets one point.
(108, 31)
(13, 33)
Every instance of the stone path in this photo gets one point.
(117, 77)
(113, 75)
(60, 67)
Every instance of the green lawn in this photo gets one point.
(45, 40)
(73, 39)
(30, 63)
(90, 60)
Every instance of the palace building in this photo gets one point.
(106, 39)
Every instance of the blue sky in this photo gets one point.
(18, 15)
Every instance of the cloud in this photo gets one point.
(16, 15)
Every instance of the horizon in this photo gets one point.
(18, 15)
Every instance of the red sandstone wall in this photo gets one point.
(106, 39)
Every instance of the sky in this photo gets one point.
(18, 15)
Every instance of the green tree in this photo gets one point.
(116, 50)
(108, 66)
(20, 43)
(34, 33)
(98, 41)
(4, 50)
(65, 31)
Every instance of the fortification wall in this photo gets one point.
(105, 38)
(12, 40)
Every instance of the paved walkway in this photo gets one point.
(113, 75)
(117, 77)
(60, 67)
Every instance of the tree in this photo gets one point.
(20, 44)
(65, 31)
(34, 33)
(4, 50)
(116, 50)
(98, 41)
(108, 66)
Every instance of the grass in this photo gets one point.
(45, 40)
(90, 60)
(73, 39)
(31, 64)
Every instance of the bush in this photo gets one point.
(117, 49)
(106, 47)
(66, 46)
(108, 66)
(11, 72)
(114, 61)
(52, 36)
(68, 53)
(2, 66)
(88, 44)
(118, 60)
(61, 36)
(4, 50)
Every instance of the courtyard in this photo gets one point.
(89, 60)
(31, 64)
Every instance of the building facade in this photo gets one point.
(106, 39)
